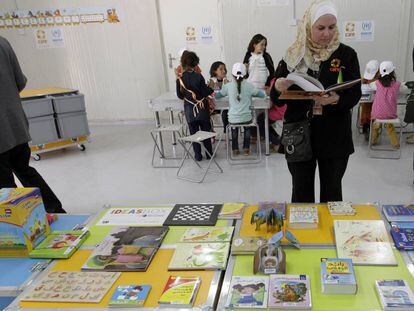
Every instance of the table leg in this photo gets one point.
(158, 124)
(266, 131)
(174, 139)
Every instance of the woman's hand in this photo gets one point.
(282, 84)
(327, 99)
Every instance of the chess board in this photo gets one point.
(193, 215)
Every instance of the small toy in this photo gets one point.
(270, 259)
(272, 218)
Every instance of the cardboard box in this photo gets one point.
(23, 221)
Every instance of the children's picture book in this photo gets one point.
(232, 211)
(399, 212)
(179, 292)
(60, 244)
(338, 208)
(246, 245)
(394, 295)
(403, 238)
(126, 249)
(311, 86)
(280, 207)
(364, 241)
(303, 217)
(212, 234)
(70, 286)
(129, 296)
(288, 291)
(134, 216)
(338, 276)
(200, 256)
(248, 292)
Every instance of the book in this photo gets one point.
(394, 295)
(129, 296)
(288, 291)
(338, 208)
(269, 259)
(310, 86)
(134, 216)
(403, 224)
(126, 249)
(280, 207)
(248, 292)
(60, 244)
(200, 256)
(364, 241)
(212, 234)
(246, 245)
(398, 212)
(303, 217)
(338, 276)
(232, 211)
(403, 238)
(179, 292)
(77, 287)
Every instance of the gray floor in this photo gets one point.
(115, 169)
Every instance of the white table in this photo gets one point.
(170, 102)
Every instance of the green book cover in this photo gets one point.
(214, 234)
(60, 244)
(200, 256)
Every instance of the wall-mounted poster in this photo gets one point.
(358, 31)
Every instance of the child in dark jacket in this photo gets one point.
(192, 88)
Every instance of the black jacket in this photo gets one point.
(268, 62)
(331, 132)
(195, 82)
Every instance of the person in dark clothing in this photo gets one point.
(192, 88)
(14, 132)
(318, 52)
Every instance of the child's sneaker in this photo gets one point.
(410, 139)
(236, 152)
(246, 152)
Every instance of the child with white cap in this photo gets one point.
(240, 94)
(385, 102)
(371, 74)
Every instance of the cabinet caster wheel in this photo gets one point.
(37, 157)
(82, 147)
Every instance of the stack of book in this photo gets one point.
(395, 295)
(179, 292)
(303, 217)
(338, 276)
(399, 213)
(341, 208)
(403, 238)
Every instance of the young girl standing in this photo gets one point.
(385, 102)
(240, 94)
(218, 78)
(259, 63)
(192, 87)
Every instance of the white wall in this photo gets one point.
(117, 66)
(243, 18)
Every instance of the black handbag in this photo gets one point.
(409, 112)
(296, 139)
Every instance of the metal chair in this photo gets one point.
(174, 129)
(392, 153)
(198, 138)
(257, 158)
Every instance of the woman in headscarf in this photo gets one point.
(317, 52)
